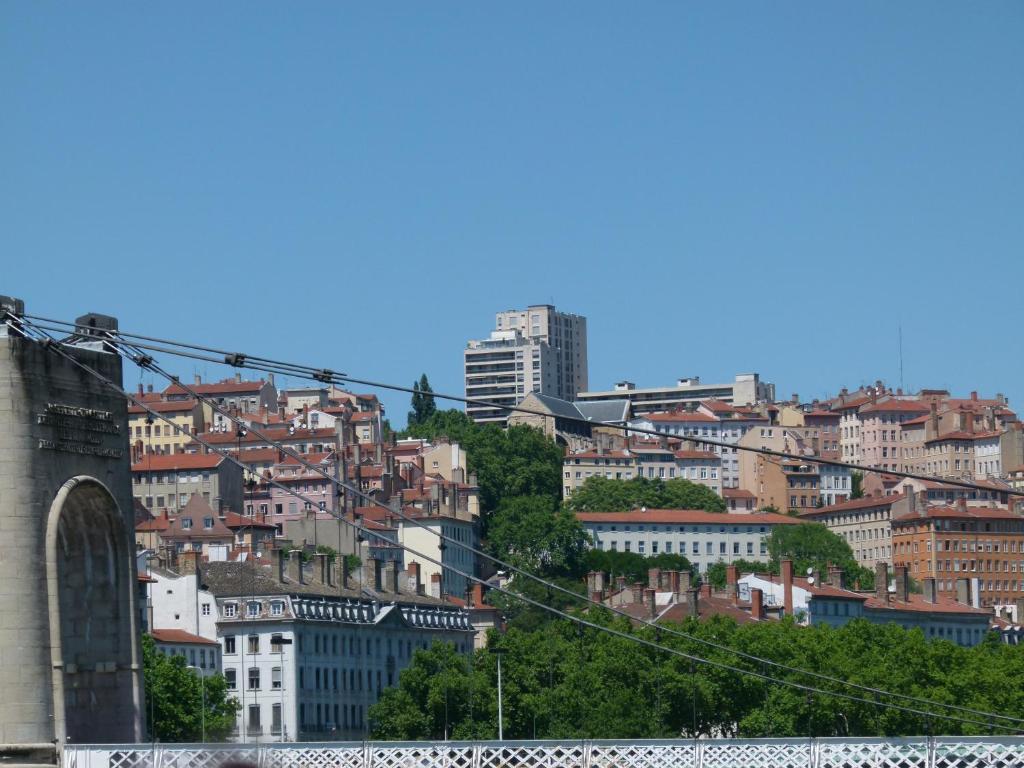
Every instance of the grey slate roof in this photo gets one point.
(239, 579)
(614, 411)
(557, 406)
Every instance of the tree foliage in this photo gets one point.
(562, 683)
(716, 572)
(535, 533)
(812, 545)
(174, 699)
(632, 565)
(518, 461)
(423, 405)
(856, 485)
(602, 494)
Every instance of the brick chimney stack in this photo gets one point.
(882, 581)
(732, 577)
(651, 602)
(295, 574)
(756, 604)
(787, 586)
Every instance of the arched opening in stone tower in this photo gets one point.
(89, 575)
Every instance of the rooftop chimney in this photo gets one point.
(651, 602)
(295, 574)
(756, 604)
(654, 578)
(321, 569)
(705, 589)
(928, 585)
(415, 585)
(393, 571)
(732, 577)
(435, 585)
(963, 591)
(902, 583)
(477, 595)
(787, 586)
(691, 602)
(282, 565)
(908, 491)
(882, 581)
(836, 577)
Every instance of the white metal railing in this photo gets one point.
(914, 752)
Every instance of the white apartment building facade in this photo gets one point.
(744, 389)
(502, 369)
(704, 538)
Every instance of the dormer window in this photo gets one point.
(207, 523)
(230, 610)
(186, 523)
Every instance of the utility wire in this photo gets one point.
(141, 359)
(56, 346)
(328, 376)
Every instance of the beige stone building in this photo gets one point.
(151, 434)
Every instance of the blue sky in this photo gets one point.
(718, 187)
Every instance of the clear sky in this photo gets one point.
(718, 187)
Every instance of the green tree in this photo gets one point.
(174, 699)
(423, 405)
(632, 565)
(518, 461)
(601, 494)
(535, 533)
(716, 573)
(856, 485)
(812, 545)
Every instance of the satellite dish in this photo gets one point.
(810, 580)
(892, 588)
(810, 571)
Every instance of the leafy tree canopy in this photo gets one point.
(174, 699)
(812, 545)
(518, 461)
(423, 405)
(602, 494)
(560, 682)
(632, 565)
(535, 533)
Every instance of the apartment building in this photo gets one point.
(152, 434)
(168, 481)
(712, 419)
(864, 523)
(307, 649)
(648, 459)
(947, 543)
(565, 335)
(502, 369)
(233, 395)
(744, 389)
(703, 537)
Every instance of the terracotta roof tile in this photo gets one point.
(684, 516)
(179, 637)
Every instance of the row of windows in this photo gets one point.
(682, 528)
(666, 547)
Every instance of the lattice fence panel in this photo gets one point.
(425, 755)
(869, 753)
(783, 753)
(979, 753)
(314, 756)
(604, 754)
(537, 755)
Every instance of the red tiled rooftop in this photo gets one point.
(217, 388)
(684, 516)
(161, 406)
(968, 513)
(179, 637)
(737, 493)
(169, 461)
(896, 406)
(679, 416)
(866, 502)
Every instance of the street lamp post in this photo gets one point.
(499, 652)
(281, 643)
(202, 711)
